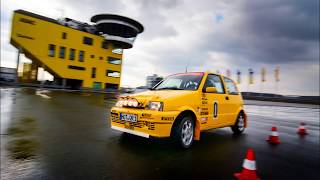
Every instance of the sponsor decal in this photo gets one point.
(204, 120)
(204, 102)
(167, 118)
(204, 113)
(145, 115)
(128, 126)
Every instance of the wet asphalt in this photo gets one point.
(60, 135)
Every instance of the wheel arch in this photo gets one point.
(188, 112)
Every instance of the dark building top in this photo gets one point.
(100, 17)
(20, 11)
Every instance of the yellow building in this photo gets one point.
(29, 73)
(77, 54)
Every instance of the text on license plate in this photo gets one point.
(128, 117)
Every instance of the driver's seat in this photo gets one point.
(191, 87)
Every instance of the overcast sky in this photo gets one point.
(205, 35)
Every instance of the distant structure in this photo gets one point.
(153, 80)
(77, 54)
(29, 73)
(7, 74)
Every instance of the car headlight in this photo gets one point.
(158, 106)
(127, 102)
(120, 103)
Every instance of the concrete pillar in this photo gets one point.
(18, 62)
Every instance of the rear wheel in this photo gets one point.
(183, 132)
(239, 126)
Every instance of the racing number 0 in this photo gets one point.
(215, 109)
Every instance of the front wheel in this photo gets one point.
(239, 126)
(184, 131)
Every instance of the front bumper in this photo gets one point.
(149, 123)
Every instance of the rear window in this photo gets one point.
(231, 87)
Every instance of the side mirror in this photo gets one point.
(211, 90)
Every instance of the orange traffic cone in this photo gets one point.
(302, 130)
(248, 168)
(274, 137)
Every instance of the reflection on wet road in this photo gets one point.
(68, 136)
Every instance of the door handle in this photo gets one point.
(227, 97)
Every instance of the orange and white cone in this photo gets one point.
(302, 130)
(248, 168)
(274, 137)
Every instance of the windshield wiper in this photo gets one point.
(170, 88)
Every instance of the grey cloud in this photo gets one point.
(251, 34)
(151, 14)
(274, 32)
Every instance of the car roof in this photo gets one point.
(204, 73)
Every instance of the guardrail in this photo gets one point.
(280, 98)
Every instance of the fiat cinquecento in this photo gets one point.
(180, 107)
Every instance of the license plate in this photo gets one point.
(128, 117)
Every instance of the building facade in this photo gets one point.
(7, 74)
(77, 54)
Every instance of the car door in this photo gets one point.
(214, 102)
(234, 101)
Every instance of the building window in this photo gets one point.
(92, 56)
(117, 51)
(111, 73)
(100, 58)
(52, 49)
(72, 54)
(64, 35)
(87, 40)
(104, 45)
(113, 60)
(93, 72)
(97, 85)
(77, 67)
(62, 52)
(28, 21)
(81, 56)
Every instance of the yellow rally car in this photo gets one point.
(181, 106)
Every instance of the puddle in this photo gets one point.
(22, 144)
(22, 148)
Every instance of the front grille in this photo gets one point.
(139, 124)
(131, 107)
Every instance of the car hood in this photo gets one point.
(160, 95)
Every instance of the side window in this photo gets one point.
(81, 56)
(231, 87)
(62, 52)
(51, 50)
(214, 81)
(113, 60)
(87, 40)
(64, 35)
(71, 54)
(93, 72)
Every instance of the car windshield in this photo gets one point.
(187, 81)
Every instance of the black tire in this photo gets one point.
(182, 133)
(239, 126)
